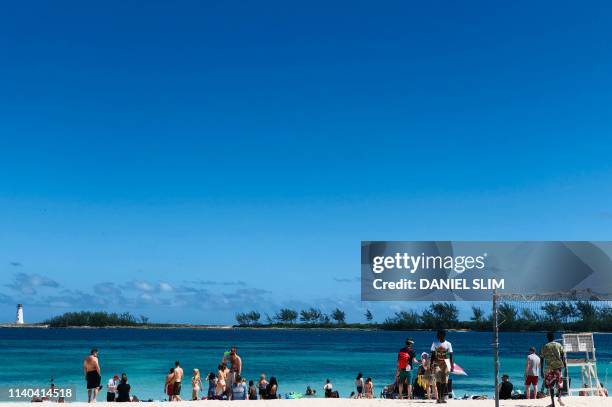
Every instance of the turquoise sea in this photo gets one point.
(31, 357)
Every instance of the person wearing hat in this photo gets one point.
(428, 380)
(405, 357)
(505, 388)
(111, 392)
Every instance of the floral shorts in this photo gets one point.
(553, 377)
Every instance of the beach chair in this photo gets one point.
(390, 391)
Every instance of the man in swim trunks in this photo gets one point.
(440, 351)
(532, 373)
(235, 363)
(553, 363)
(91, 368)
(405, 357)
(178, 378)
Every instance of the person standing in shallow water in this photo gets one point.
(553, 363)
(91, 368)
(440, 351)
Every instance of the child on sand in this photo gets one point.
(369, 388)
(252, 390)
(221, 380)
(169, 385)
(428, 379)
(212, 385)
(196, 384)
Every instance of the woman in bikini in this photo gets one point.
(369, 388)
(221, 380)
(196, 384)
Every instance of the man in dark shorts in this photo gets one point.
(91, 368)
(553, 364)
(178, 378)
(405, 357)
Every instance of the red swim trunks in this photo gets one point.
(552, 377)
(531, 380)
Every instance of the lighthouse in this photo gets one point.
(19, 318)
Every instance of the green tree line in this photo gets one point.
(554, 316)
(564, 315)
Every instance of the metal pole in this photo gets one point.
(496, 347)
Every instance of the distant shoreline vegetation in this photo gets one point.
(550, 316)
(100, 319)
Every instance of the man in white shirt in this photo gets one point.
(328, 388)
(532, 373)
(440, 351)
(111, 392)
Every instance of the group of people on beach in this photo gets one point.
(226, 384)
(118, 389)
(549, 364)
(431, 380)
(432, 374)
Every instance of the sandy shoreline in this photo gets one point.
(320, 402)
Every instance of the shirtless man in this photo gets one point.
(235, 369)
(178, 378)
(91, 369)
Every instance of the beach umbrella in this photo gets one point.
(458, 370)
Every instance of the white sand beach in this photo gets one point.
(320, 402)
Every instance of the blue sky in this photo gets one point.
(187, 161)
